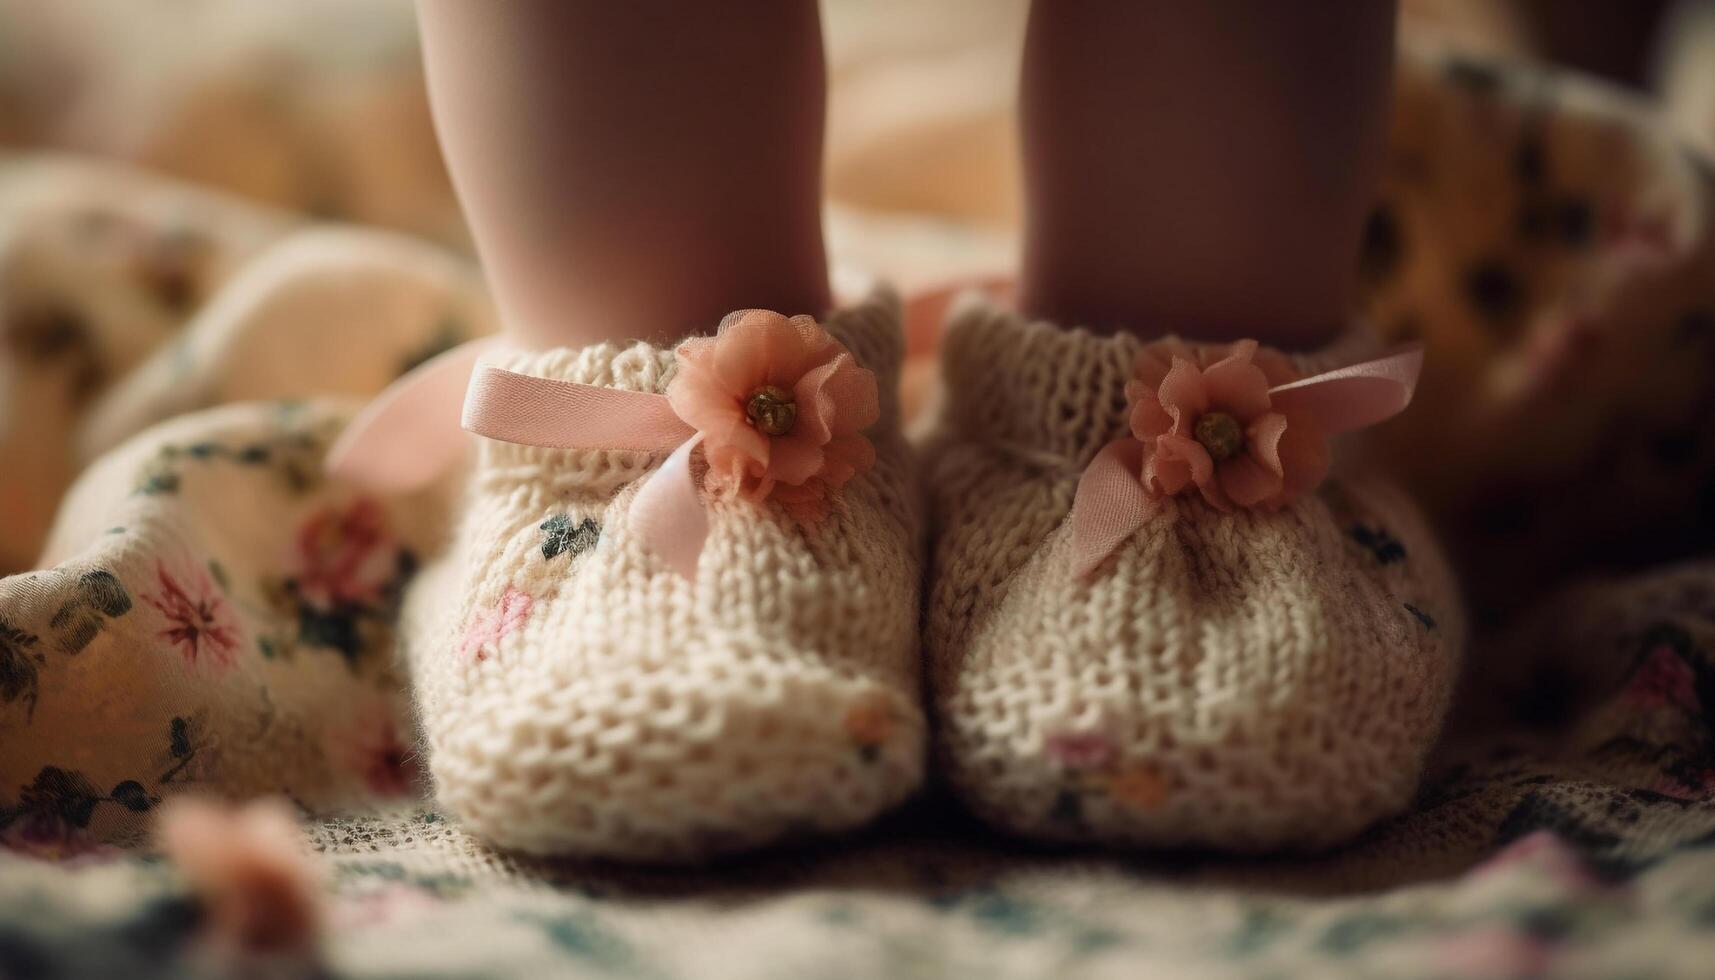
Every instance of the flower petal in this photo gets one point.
(1179, 461)
(794, 458)
(837, 398)
(751, 347)
(1148, 420)
(1155, 360)
(1183, 395)
(799, 345)
(1304, 456)
(1237, 386)
(699, 398)
(1247, 482)
(1262, 440)
(845, 458)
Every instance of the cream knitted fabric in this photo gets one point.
(580, 698)
(1246, 681)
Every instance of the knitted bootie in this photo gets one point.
(1208, 655)
(584, 693)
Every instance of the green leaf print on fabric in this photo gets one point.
(181, 748)
(20, 663)
(345, 586)
(55, 809)
(581, 934)
(560, 536)
(97, 597)
(293, 456)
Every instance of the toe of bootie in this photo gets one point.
(1245, 682)
(656, 764)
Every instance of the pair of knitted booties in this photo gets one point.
(684, 611)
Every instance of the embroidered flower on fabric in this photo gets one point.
(495, 623)
(372, 749)
(342, 555)
(199, 622)
(1663, 680)
(781, 406)
(1206, 420)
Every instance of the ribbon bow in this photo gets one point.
(776, 403)
(1113, 500)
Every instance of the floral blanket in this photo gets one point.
(208, 612)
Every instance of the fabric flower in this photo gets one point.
(1206, 420)
(199, 623)
(342, 555)
(780, 404)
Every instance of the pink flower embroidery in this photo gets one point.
(341, 557)
(1079, 750)
(1496, 951)
(781, 407)
(1205, 419)
(381, 903)
(198, 620)
(1664, 680)
(373, 749)
(493, 624)
(49, 837)
(1542, 852)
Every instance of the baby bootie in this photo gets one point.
(701, 636)
(1151, 622)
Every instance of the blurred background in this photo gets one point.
(318, 105)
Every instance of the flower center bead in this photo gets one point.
(771, 410)
(1221, 435)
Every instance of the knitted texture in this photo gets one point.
(1248, 681)
(580, 698)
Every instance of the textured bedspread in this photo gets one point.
(210, 613)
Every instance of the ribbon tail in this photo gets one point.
(668, 513)
(409, 435)
(1357, 396)
(1110, 506)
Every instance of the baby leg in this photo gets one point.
(1201, 168)
(634, 169)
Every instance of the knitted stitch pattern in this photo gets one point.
(578, 697)
(1246, 681)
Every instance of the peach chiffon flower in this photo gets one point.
(1206, 420)
(781, 406)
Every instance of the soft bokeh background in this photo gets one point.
(318, 105)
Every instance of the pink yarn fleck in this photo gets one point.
(1079, 750)
(495, 623)
(1664, 680)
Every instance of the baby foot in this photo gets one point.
(1216, 649)
(592, 685)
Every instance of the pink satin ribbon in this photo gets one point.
(667, 514)
(413, 432)
(1112, 503)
